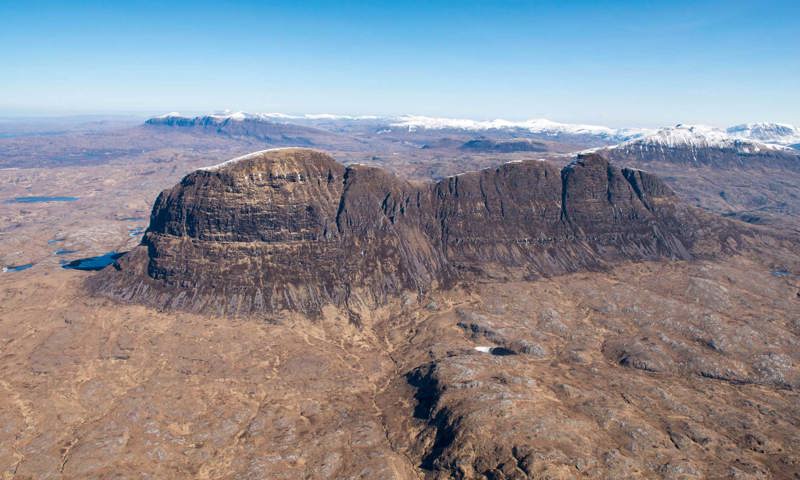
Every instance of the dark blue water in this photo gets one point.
(132, 219)
(37, 199)
(17, 268)
(55, 240)
(502, 351)
(93, 263)
(133, 232)
(64, 251)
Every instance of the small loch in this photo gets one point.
(17, 268)
(42, 199)
(93, 263)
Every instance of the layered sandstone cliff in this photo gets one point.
(294, 229)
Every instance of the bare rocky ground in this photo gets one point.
(619, 375)
(652, 370)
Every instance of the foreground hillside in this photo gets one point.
(650, 370)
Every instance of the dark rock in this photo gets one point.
(294, 229)
(530, 348)
(640, 355)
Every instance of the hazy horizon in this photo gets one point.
(77, 118)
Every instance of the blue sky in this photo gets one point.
(634, 63)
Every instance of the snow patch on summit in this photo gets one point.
(249, 156)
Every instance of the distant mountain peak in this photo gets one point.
(702, 145)
(768, 132)
(698, 137)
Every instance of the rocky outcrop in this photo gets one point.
(294, 229)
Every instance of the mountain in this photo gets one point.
(292, 229)
(701, 145)
(272, 129)
(540, 127)
(709, 168)
(779, 133)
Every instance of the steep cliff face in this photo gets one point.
(294, 229)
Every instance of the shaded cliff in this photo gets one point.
(294, 229)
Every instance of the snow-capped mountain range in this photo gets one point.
(540, 126)
(744, 138)
(701, 146)
(697, 137)
(413, 123)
